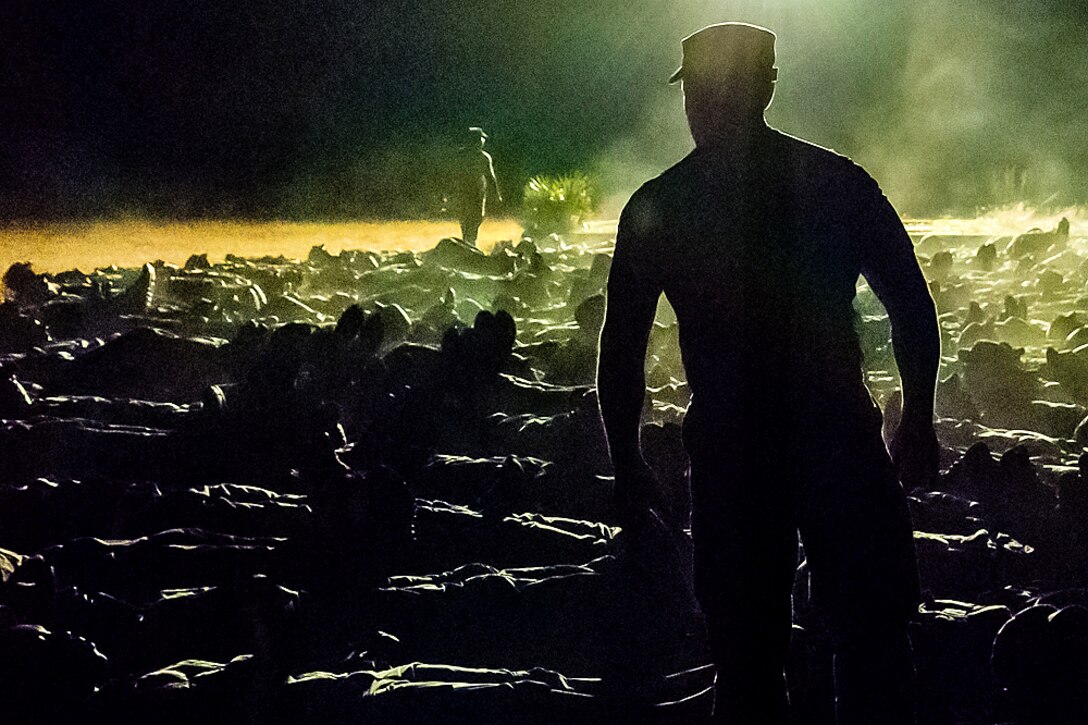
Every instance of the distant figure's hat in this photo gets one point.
(718, 51)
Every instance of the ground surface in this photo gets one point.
(341, 485)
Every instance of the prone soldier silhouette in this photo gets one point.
(475, 174)
(757, 239)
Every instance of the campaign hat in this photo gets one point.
(725, 50)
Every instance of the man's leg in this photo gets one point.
(858, 539)
(874, 678)
(745, 545)
(470, 227)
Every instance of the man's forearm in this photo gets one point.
(916, 341)
(621, 389)
(629, 317)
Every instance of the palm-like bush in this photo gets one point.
(557, 203)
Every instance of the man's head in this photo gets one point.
(477, 136)
(729, 75)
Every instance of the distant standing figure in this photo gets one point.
(474, 175)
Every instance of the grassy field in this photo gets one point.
(86, 246)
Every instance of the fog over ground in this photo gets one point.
(335, 109)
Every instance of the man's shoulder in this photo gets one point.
(684, 168)
(641, 215)
(831, 177)
(653, 197)
(816, 158)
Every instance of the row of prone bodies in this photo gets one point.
(276, 523)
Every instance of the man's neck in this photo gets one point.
(734, 136)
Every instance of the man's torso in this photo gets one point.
(758, 251)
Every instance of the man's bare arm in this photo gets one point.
(892, 271)
(491, 178)
(621, 379)
(621, 382)
(629, 315)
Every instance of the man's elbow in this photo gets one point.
(612, 337)
(917, 326)
(918, 308)
(615, 363)
(912, 310)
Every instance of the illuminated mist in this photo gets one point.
(345, 110)
(953, 107)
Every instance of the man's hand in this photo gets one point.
(638, 495)
(633, 291)
(915, 452)
(652, 546)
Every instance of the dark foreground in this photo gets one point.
(375, 487)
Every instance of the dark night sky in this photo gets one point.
(330, 108)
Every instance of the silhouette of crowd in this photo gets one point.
(377, 486)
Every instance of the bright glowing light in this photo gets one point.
(58, 247)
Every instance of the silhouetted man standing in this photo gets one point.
(757, 240)
(475, 176)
